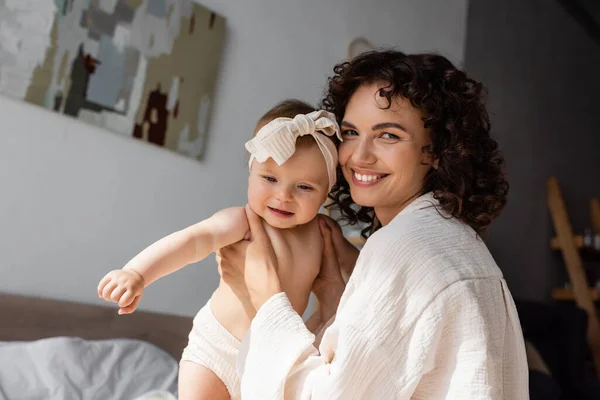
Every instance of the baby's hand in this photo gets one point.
(124, 287)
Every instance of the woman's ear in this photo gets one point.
(429, 157)
(436, 164)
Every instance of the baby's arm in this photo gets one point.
(190, 245)
(171, 253)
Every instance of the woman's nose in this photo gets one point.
(363, 153)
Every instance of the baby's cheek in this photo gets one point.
(313, 209)
(256, 201)
(306, 216)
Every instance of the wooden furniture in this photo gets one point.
(569, 246)
(595, 214)
(577, 241)
(25, 318)
(568, 294)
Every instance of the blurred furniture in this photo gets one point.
(570, 246)
(556, 333)
(24, 318)
(72, 351)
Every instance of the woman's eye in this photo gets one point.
(390, 136)
(305, 187)
(349, 132)
(269, 179)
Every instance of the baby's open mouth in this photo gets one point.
(281, 212)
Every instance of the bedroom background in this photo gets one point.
(77, 201)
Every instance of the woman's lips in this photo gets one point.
(367, 179)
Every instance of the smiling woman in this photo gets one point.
(428, 124)
(382, 156)
(426, 313)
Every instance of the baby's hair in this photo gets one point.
(286, 109)
(289, 109)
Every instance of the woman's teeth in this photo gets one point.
(367, 178)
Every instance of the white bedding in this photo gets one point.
(75, 369)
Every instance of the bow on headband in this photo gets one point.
(277, 139)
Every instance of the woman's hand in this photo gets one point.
(255, 278)
(233, 257)
(347, 253)
(329, 284)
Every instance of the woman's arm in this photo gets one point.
(465, 344)
(329, 285)
(400, 332)
(282, 362)
(279, 345)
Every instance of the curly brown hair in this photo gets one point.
(469, 183)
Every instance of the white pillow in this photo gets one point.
(65, 368)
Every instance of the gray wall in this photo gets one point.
(542, 73)
(76, 201)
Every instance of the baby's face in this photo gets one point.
(291, 194)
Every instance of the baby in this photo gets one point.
(293, 159)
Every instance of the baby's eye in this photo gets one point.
(387, 135)
(269, 178)
(349, 132)
(305, 187)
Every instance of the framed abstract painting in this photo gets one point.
(140, 68)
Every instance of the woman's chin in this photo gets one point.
(363, 199)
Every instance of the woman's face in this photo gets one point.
(382, 155)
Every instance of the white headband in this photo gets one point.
(277, 139)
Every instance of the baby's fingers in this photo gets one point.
(103, 282)
(108, 289)
(126, 299)
(130, 308)
(117, 293)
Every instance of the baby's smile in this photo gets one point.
(280, 213)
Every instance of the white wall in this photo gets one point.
(76, 202)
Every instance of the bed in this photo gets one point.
(51, 349)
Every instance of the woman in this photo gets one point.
(426, 313)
